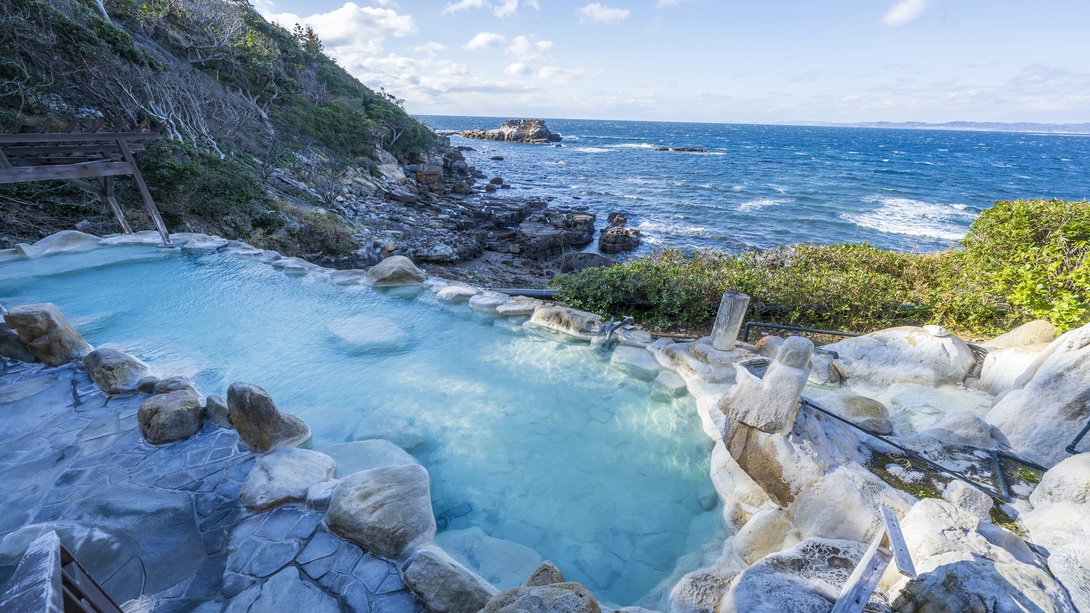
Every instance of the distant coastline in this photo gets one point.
(971, 126)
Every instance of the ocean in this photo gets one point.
(763, 186)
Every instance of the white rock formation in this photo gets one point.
(769, 403)
(963, 568)
(284, 476)
(1050, 401)
(929, 356)
(1060, 524)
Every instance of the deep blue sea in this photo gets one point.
(761, 186)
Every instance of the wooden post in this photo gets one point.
(106, 192)
(888, 545)
(143, 187)
(732, 312)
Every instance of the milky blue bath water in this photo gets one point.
(533, 441)
(764, 186)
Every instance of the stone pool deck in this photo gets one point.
(162, 528)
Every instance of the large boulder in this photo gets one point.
(547, 236)
(929, 356)
(114, 372)
(1003, 367)
(701, 590)
(1036, 332)
(545, 574)
(46, 333)
(386, 510)
(962, 565)
(444, 585)
(259, 423)
(354, 456)
(1049, 403)
(581, 260)
(165, 418)
(769, 403)
(614, 239)
(961, 429)
(284, 476)
(395, 270)
(1059, 524)
(553, 598)
(787, 581)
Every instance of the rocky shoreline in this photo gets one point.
(445, 215)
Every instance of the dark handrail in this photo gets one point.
(759, 324)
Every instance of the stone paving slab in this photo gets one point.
(161, 528)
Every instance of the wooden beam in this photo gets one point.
(77, 137)
(901, 557)
(15, 127)
(4, 164)
(37, 150)
(68, 171)
(143, 187)
(107, 184)
(886, 545)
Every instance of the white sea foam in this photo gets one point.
(652, 231)
(634, 146)
(738, 188)
(760, 203)
(914, 217)
(591, 150)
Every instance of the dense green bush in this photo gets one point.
(1020, 260)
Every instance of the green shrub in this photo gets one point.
(1020, 260)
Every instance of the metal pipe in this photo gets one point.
(1071, 448)
(999, 474)
(911, 454)
(1023, 461)
(541, 294)
(758, 324)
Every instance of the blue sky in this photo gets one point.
(747, 61)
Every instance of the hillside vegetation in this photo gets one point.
(1021, 260)
(243, 98)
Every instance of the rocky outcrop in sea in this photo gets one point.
(517, 130)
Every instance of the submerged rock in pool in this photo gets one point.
(259, 423)
(554, 598)
(503, 563)
(47, 334)
(355, 456)
(367, 334)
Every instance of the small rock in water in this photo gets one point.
(283, 476)
(215, 409)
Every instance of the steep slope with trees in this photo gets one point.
(245, 100)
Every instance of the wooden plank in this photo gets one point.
(71, 125)
(15, 127)
(104, 149)
(4, 163)
(69, 171)
(901, 557)
(861, 584)
(98, 124)
(78, 137)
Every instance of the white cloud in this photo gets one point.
(599, 13)
(352, 28)
(524, 49)
(500, 8)
(485, 40)
(665, 3)
(519, 69)
(430, 48)
(904, 12)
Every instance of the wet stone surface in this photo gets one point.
(161, 528)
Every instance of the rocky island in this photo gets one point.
(517, 131)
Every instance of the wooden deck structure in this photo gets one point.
(90, 160)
